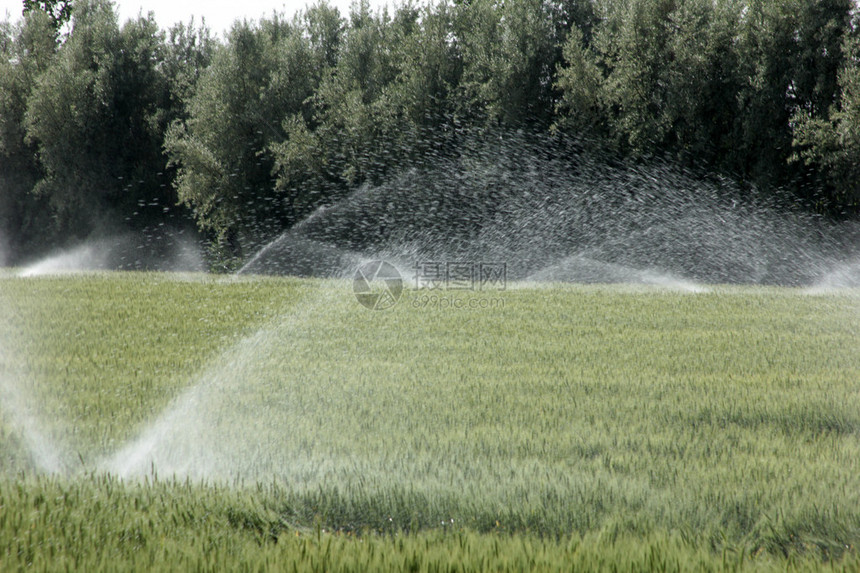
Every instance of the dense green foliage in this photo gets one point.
(82, 124)
(108, 127)
(625, 425)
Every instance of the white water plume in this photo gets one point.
(846, 275)
(556, 214)
(82, 258)
(212, 430)
(18, 409)
(583, 269)
(167, 251)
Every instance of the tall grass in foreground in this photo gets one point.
(98, 524)
(649, 429)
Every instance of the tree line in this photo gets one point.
(109, 127)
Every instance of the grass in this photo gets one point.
(594, 426)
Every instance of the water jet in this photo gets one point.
(553, 214)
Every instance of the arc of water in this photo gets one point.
(181, 441)
(17, 406)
